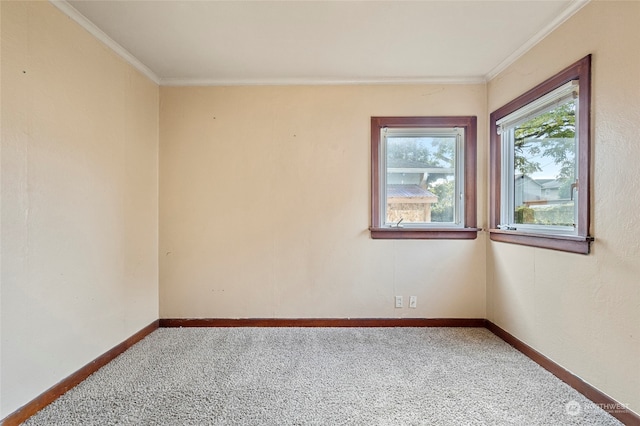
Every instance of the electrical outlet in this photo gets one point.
(413, 301)
(398, 301)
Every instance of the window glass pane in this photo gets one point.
(420, 179)
(545, 168)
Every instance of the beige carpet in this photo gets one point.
(322, 376)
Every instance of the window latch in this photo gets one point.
(574, 186)
(398, 225)
(507, 228)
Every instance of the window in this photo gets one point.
(540, 154)
(423, 172)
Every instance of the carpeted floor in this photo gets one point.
(322, 376)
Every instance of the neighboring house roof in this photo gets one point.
(395, 163)
(544, 180)
(409, 191)
(527, 178)
(554, 184)
(543, 183)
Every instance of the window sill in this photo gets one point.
(568, 243)
(424, 234)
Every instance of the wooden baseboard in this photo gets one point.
(56, 391)
(608, 404)
(322, 322)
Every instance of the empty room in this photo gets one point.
(320, 212)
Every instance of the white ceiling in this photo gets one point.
(288, 42)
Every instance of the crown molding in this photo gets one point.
(317, 81)
(85, 23)
(573, 7)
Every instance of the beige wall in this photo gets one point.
(583, 312)
(264, 206)
(79, 200)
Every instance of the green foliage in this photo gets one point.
(442, 211)
(551, 135)
(434, 152)
(557, 214)
(524, 214)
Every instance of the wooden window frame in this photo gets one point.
(469, 230)
(581, 242)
